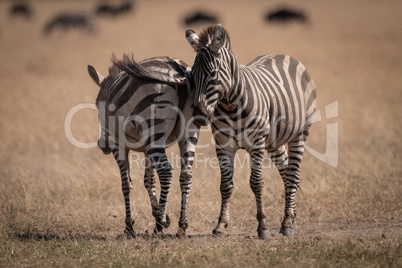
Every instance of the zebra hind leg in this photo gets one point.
(150, 185)
(164, 170)
(280, 158)
(292, 180)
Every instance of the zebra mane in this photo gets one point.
(205, 38)
(139, 71)
(114, 72)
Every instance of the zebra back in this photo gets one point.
(165, 70)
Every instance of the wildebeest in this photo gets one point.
(285, 15)
(21, 9)
(106, 9)
(66, 21)
(199, 17)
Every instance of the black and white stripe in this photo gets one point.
(137, 113)
(261, 106)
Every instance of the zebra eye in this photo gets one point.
(213, 73)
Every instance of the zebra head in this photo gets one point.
(104, 109)
(211, 71)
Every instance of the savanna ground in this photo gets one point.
(61, 205)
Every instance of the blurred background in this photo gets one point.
(352, 50)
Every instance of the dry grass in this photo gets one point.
(62, 206)
(204, 251)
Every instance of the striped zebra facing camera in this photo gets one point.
(137, 112)
(261, 106)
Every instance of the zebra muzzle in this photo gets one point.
(104, 146)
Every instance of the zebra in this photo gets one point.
(261, 106)
(137, 113)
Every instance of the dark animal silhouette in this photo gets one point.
(200, 17)
(67, 21)
(21, 9)
(106, 9)
(285, 15)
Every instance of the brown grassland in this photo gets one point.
(61, 205)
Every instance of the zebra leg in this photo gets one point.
(280, 158)
(256, 184)
(163, 168)
(150, 185)
(127, 187)
(226, 165)
(187, 150)
(292, 179)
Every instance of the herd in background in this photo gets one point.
(85, 20)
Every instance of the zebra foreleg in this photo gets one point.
(187, 150)
(256, 184)
(185, 187)
(296, 149)
(226, 165)
(164, 170)
(127, 187)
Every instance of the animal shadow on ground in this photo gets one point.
(51, 236)
(54, 236)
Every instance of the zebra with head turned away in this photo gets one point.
(137, 113)
(261, 106)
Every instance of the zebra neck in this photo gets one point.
(237, 93)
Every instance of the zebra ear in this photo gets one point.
(97, 77)
(192, 38)
(218, 38)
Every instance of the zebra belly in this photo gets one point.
(233, 135)
(283, 130)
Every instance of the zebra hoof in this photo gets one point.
(217, 233)
(287, 231)
(129, 233)
(162, 224)
(158, 234)
(167, 223)
(263, 234)
(181, 234)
